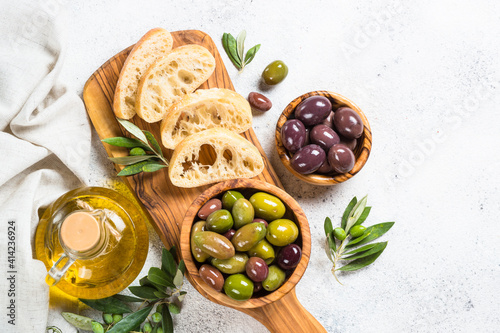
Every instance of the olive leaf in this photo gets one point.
(126, 142)
(159, 277)
(375, 231)
(143, 292)
(355, 213)
(251, 54)
(135, 168)
(363, 216)
(166, 320)
(126, 298)
(108, 305)
(168, 262)
(182, 266)
(366, 251)
(328, 226)
(240, 44)
(354, 241)
(152, 167)
(131, 321)
(81, 322)
(133, 129)
(229, 44)
(360, 263)
(179, 278)
(347, 211)
(160, 294)
(153, 142)
(181, 296)
(129, 160)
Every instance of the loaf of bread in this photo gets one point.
(226, 155)
(204, 109)
(154, 44)
(169, 78)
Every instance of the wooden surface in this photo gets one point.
(362, 150)
(165, 203)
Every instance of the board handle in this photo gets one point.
(286, 315)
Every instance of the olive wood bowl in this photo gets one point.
(279, 311)
(361, 152)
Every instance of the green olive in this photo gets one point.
(243, 213)
(267, 206)
(137, 151)
(156, 317)
(219, 221)
(248, 235)
(97, 327)
(357, 231)
(229, 198)
(235, 264)
(339, 233)
(282, 232)
(107, 317)
(198, 254)
(117, 318)
(274, 279)
(238, 287)
(214, 245)
(275, 72)
(263, 250)
(147, 328)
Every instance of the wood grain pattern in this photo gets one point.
(165, 203)
(362, 150)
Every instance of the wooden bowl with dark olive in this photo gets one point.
(361, 152)
(279, 311)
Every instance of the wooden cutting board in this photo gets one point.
(165, 203)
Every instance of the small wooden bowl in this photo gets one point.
(361, 152)
(247, 187)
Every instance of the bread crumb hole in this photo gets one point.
(185, 76)
(228, 155)
(173, 64)
(130, 101)
(208, 156)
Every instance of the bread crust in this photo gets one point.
(205, 109)
(164, 41)
(244, 160)
(170, 77)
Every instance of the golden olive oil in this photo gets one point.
(123, 255)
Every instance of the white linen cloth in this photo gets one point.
(44, 149)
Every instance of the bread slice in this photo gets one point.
(204, 109)
(233, 157)
(154, 44)
(171, 77)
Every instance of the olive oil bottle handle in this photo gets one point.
(56, 272)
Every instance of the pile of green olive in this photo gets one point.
(245, 246)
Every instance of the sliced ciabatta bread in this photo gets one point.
(204, 109)
(171, 77)
(235, 157)
(154, 44)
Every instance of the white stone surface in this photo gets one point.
(426, 74)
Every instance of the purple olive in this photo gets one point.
(261, 221)
(259, 102)
(212, 276)
(329, 120)
(308, 159)
(325, 167)
(257, 286)
(229, 234)
(208, 208)
(293, 135)
(313, 110)
(341, 158)
(348, 123)
(257, 269)
(324, 137)
(289, 256)
(349, 143)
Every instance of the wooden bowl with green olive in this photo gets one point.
(323, 138)
(279, 310)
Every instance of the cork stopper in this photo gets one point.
(80, 231)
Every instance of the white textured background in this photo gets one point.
(427, 76)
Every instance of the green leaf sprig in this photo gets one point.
(341, 242)
(235, 49)
(145, 152)
(161, 288)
